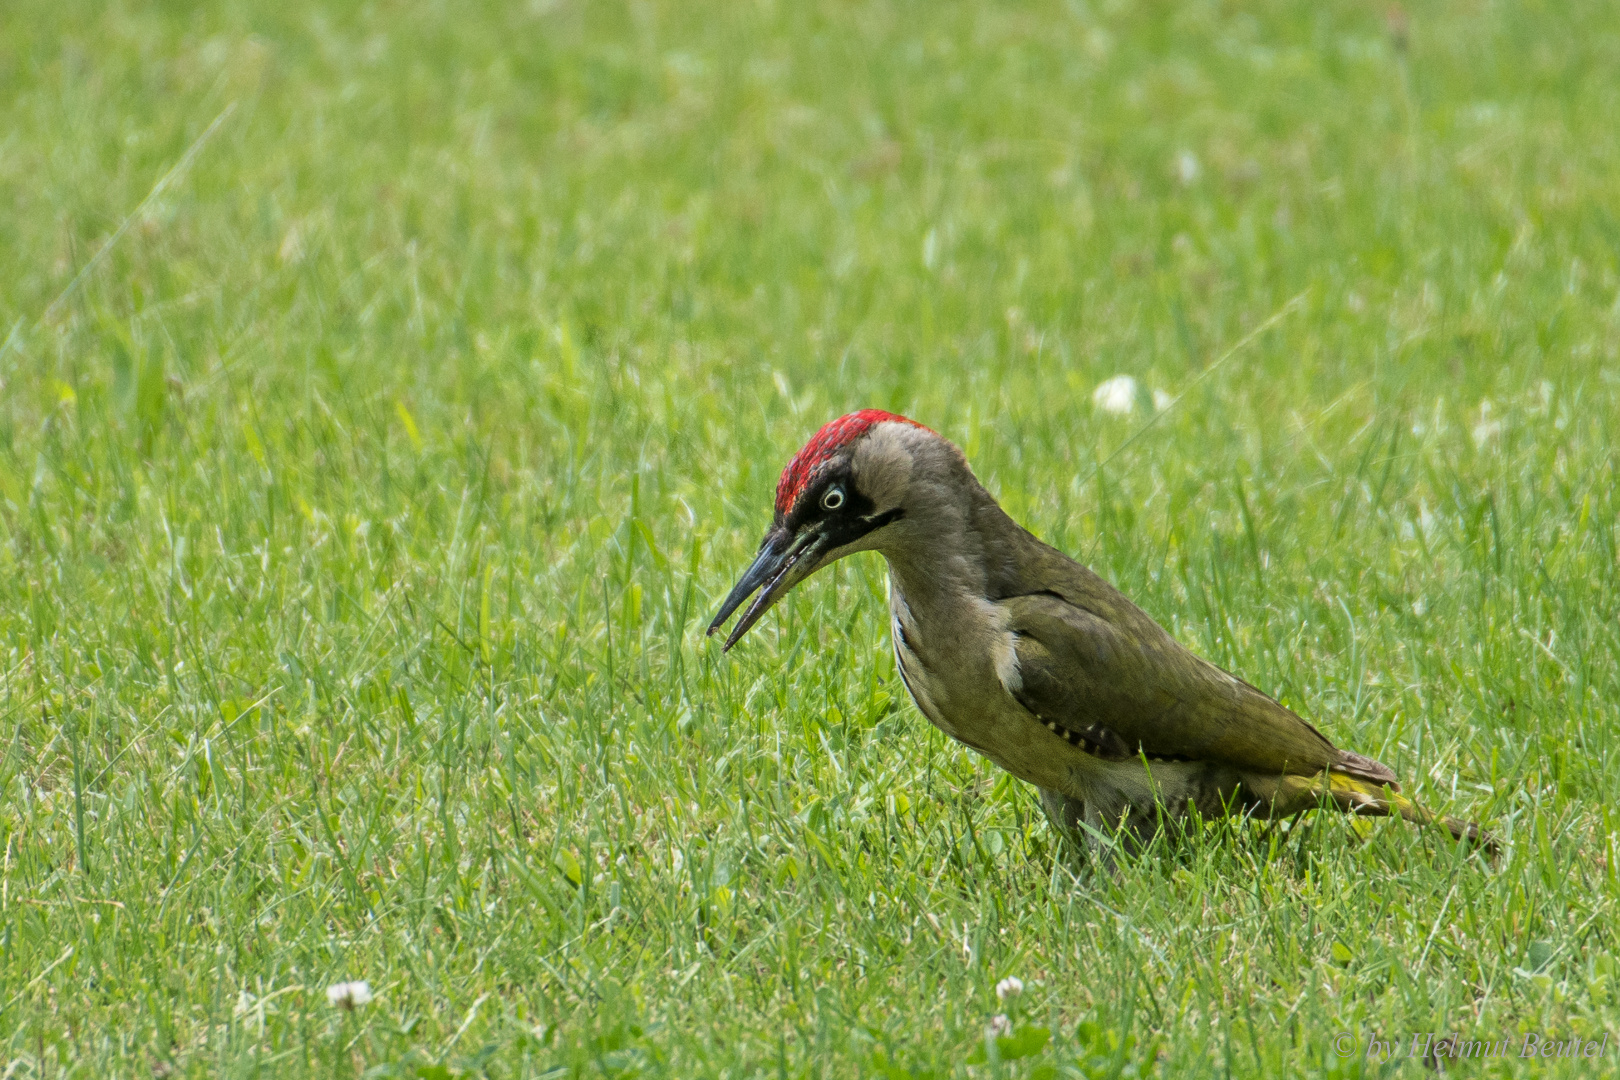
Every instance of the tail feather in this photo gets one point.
(1365, 768)
(1361, 797)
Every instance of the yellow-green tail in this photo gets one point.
(1377, 800)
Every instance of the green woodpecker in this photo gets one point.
(1018, 651)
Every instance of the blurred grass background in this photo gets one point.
(360, 511)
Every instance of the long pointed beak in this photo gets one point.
(783, 561)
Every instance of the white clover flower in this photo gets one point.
(1162, 400)
(999, 1026)
(347, 995)
(1116, 396)
(1010, 987)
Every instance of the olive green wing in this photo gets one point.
(1125, 688)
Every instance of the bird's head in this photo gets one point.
(837, 496)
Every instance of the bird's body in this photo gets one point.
(1025, 655)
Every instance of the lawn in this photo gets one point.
(389, 393)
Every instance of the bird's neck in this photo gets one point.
(955, 550)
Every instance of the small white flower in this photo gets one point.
(999, 1026)
(1010, 987)
(1116, 396)
(1162, 400)
(347, 995)
(1187, 168)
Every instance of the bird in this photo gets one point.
(1028, 657)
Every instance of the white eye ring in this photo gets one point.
(833, 499)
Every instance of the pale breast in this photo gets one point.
(949, 673)
(958, 673)
(925, 688)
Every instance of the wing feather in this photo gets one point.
(1119, 672)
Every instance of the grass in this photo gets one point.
(361, 507)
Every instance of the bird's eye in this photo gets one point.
(833, 499)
